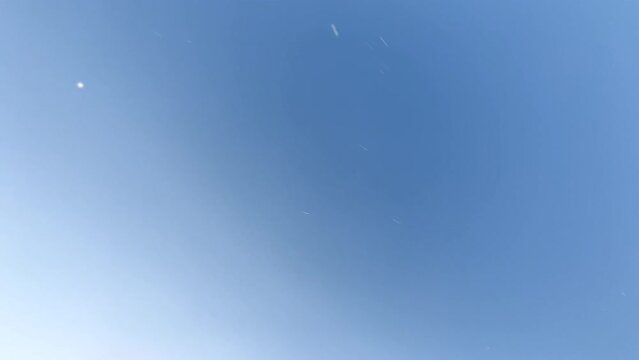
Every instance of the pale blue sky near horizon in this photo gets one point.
(436, 180)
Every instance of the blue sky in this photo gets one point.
(234, 181)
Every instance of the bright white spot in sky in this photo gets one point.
(334, 28)
(383, 41)
(306, 213)
(80, 85)
(363, 147)
(396, 221)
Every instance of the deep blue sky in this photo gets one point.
(236, 182)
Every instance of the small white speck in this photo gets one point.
(623, 293)
(396, 221)
(383, 41)
(334, 28)
(80, 85)
(306, 213)
(363, 147)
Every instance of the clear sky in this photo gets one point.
(244, 179)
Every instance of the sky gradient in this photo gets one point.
(315, 180)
